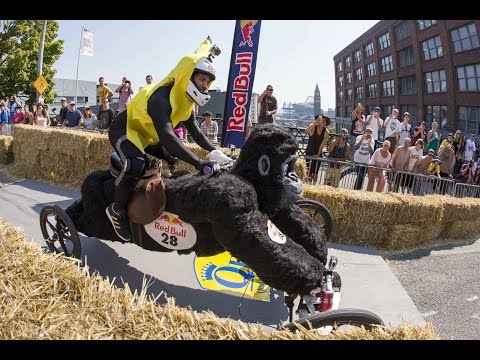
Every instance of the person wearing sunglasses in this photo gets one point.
(268, 106)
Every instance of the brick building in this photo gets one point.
(430, 68)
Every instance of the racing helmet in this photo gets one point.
(204, 66)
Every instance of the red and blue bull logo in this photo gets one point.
(248, 27)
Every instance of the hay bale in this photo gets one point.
(410, 236)
(301, 169)
(64, 157)
(49, 297)
(461, 230)
(6, 149)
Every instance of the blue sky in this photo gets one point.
(293, 55)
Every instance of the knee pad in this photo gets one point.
(133, 171)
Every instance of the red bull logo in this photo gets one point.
(171, 219)
(248, 27)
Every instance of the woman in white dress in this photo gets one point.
(41, 117)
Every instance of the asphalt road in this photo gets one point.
(444, 284)
(368, 282)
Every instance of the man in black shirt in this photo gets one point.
(105, 115)
(268, 106)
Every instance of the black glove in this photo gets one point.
(207, 167)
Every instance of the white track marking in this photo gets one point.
(473, 298)
(429, 313)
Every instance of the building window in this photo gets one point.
(369, 50)
(340, 96)
(348, 61)
(408, 85)
(469, 119)
(436, 113)
(435, 82)
(359, 92)
(359, 73)
(371, 69)
(340, 80)
(349, 78)
(424, 24)
(339, 66)
(468, 77)
(372, 90)
(405, 57)
(388, 88)
(339, 111)
(348, 110)
(386, 64)
(432, 48)
(357, 56)
(349, 94)
(384, 41)
(387, 110)
(464, 38)
(402, 31)
(412, 109)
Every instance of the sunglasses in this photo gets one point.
(269, 89)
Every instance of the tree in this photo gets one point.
(19, 47)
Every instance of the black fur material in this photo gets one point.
(229, 211)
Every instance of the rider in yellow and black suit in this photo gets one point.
(148, 123)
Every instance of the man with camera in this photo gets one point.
(339, 150)
(62, 113)
(375, 122)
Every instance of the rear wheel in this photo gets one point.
(59, 232)
(336, 318)
(320, 215)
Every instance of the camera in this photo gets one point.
(54, 109)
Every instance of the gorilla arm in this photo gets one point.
(288, 267)
(302, 229)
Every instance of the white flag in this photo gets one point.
(86, 44)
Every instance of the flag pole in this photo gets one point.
(78, 64)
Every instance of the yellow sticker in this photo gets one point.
(224, 273)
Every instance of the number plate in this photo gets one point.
(171, 232)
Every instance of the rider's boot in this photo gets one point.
(119, 221)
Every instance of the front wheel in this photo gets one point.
(59, 232)
(320, 215)
(336, 318)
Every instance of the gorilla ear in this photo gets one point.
(264, 165)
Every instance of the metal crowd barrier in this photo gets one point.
(467, 190)
(419, 184)
(345, 175)
(355, 176)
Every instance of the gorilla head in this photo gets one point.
(267, 160)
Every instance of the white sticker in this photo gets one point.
(275, 234)
(171, 232)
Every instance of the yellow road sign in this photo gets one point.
(41, 84)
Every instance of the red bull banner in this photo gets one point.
(240, 82)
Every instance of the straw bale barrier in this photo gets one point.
(393, 221)
(66, 157)
(6, 149)
(46, 296)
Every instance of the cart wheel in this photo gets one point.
(59, 232)
(336, 318)
(320, 214)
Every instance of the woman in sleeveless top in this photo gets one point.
(41, 117)
(432, 138)
(358, 121)
(317, 138)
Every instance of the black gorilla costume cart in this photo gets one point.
(254, 210)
